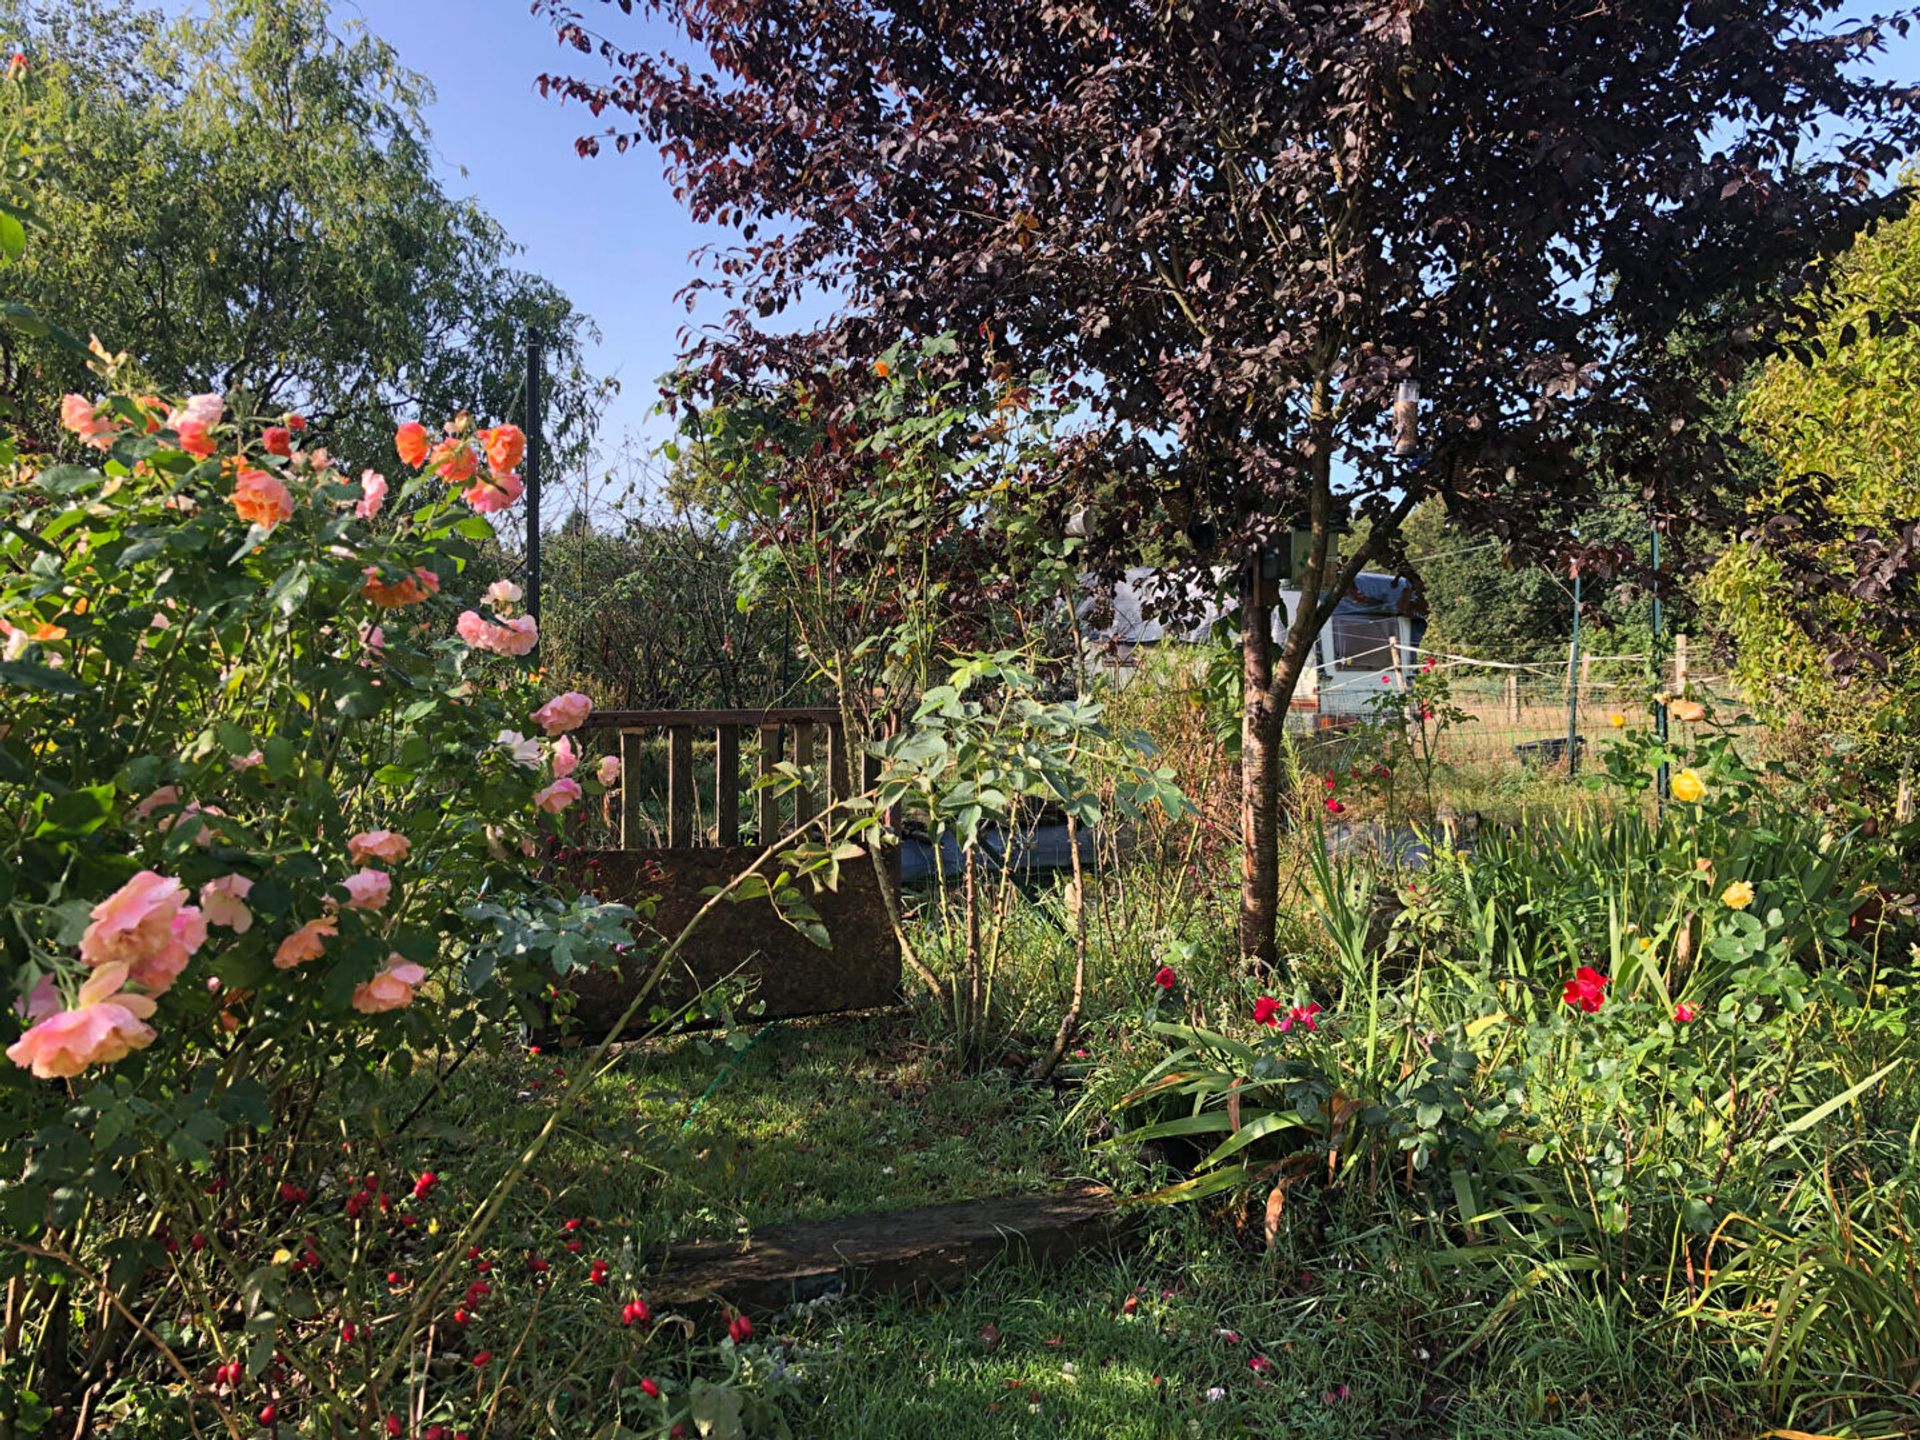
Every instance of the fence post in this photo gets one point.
(1573, 684)
(1513, 697)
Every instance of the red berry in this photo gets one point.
(461, 1316)
(393, 1277)
(480, 1360)
(347, 1332)
(269, 1414)
(199, 1241)
(652, 1390)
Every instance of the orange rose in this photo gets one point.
(410, 440)
(409, 591)
(506, 448)
(455, 461)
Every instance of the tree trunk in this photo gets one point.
(1260, 726)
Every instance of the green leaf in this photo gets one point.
(76, 813)
(29, 675)
(1820, 1112)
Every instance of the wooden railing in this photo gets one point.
(810, 737)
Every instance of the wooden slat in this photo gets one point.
(726, 784)
(804, 805)
(666, 719)
(680, 787)
(633, 749)
(767, 804)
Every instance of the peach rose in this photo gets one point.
(491, 495)
(306, 943)
(566, 759)
(391, 989)
(147, 926)
(609, 771)
(261, 498)
(502, 596)
(410, 443)
(224, 902)
(563, 713)
(387, 845)
(77, 413)
(368, 889)
(506, 447)
(373, 494)
(194, 439)
(557, 796)
(105, 1025)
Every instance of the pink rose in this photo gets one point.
(373, 494)
(306, 943)
(557, 796)
(374, 638)
(609, 771)
(40, 1002)
(489, 495)
(223, 902)
(202, 410)
(105, 1025)
(247, 761)
(522, 751)
(368, 889)
(147, 926)
(566, 759)
(391, 989)
(510, 637)
(387, 845)
(165, 795)
(563, 713)
(502, 596)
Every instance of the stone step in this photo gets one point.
(918, 1253)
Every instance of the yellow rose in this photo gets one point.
(1617, 720)
(1737, 896)
(1688, 788)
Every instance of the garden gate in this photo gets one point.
(681, 830)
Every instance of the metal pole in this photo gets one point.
(1658, 658)
(1573, 683)
(533, 473)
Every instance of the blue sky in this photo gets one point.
(607, 230)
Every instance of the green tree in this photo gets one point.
(247, 200)
(1838, 424)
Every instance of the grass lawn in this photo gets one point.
(1195, 1331)
(685, 1140)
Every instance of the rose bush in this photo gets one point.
(274, 834)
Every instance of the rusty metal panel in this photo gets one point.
(791, 975)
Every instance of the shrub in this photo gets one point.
(277, 833)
